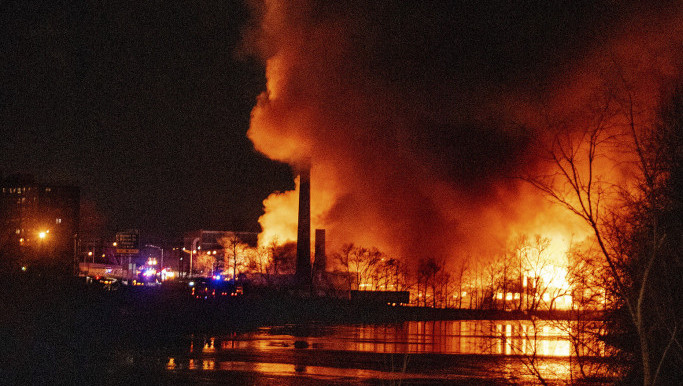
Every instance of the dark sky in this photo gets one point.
(144, 105)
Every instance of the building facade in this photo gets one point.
(39, 224)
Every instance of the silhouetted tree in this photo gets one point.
(427, 271)
(637, 229)
(462, 270)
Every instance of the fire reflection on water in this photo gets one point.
(273, 350)
(287, 369)
(209, 345)
(547, 339)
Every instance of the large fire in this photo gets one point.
(418, 160)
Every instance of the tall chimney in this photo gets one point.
(320, 260)
(303, 240)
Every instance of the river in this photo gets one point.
(413, 352)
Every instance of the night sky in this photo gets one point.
(146, 105)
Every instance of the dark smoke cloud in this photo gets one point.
(415, 113)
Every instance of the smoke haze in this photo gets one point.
(417, 117)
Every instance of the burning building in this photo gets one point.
(419, 120)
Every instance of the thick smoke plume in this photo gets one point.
(418, 117)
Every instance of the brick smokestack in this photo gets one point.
(320, 260)
(303, 240)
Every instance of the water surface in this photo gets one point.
(449, 352)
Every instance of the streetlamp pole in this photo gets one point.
(161, 265)
(192, 251)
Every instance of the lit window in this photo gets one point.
(18, 231)
(48, 189)
(58, 221)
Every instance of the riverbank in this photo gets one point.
(58, 330)
(171, 309)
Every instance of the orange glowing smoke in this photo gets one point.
(279, 222)
(415, 157)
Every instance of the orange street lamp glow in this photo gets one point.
(42, 235)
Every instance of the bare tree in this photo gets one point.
(427, 272)
(362, 262)
(285, 257)
(343, 257)
(626, 222)
(236, 248)
(257, 259)
(272, 248)
(587, 275)
(205, 262)
(462, 269)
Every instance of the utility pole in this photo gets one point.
(192, 251)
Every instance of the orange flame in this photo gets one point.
(373, 183)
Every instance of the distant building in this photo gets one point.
(211, 240)
(205, 242)
(38, 223)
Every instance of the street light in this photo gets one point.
(161, 266)
(42, 236)
(194, 250)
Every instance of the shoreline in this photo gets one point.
(70, 333)
(172, 310)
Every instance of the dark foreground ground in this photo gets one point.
(59, 331)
